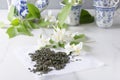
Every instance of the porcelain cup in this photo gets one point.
(105, 3)
(73, 18)
(104, 16)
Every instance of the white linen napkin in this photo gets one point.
(3, 44)
(87, 62)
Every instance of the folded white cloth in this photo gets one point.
(3, 44)
(87, 62)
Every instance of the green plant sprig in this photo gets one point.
(34, 20)
(19, 25)
(63, 15)
(72, 2)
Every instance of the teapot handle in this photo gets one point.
(117, 7)
(9, 3)
(116, 3)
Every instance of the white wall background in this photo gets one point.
(3, 4)
(53, 4)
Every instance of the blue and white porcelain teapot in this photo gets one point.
(21, 5)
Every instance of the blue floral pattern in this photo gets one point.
(42, 4)
(21, 6)
(74, 15)
(102, 2)
(22, 9)
(106, 3)
(104, 16)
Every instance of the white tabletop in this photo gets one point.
(105, 48)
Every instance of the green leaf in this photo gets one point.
(2, 24)
(43, 23)
(33, 11)
(27, 24)
(15, 22)
(74, 42)
(30, 17)
(64, 13)
(34, 25)
(73, 2)
(16, 13)
(51, 41)
(30, 25)
(12, 32)
(54, 46)
(79, 36)
(23, 30)
(62, 26)
(86, 17)
(24, 26)
(85, 13)
(65, 1)
(77, 39)
(18, 30)
(61, 44)
(11, 14)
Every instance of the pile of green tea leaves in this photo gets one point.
(47, 60)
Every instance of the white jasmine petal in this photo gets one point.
(69, 1)
(49, 13)
(58, 35)
(50, 17)
(69, 48)
(39, 1)
(76, 49)
(43, 41)
(73, 34)
(80, 45)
